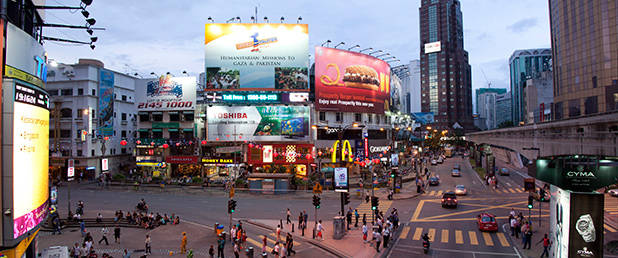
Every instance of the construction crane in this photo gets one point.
(488, 83)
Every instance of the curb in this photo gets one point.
(311, 241)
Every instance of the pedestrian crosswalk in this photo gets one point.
(445, 236)
(365, 208)
(511, 190)
(271, 240)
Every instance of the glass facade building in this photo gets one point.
(523, 65)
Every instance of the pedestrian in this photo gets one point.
(320, 228)
(83, 251)
(126, 254)
(528, 235)
(364, 218)
(82, 227)
(349, 218)
(512, 213)
(364, 233)
(386, 235)
(99, 218)
(104, 232)
(283, 251)
(147, 243)
(117, 234)
(75, 251)
(236, 251)
(276, 249)
(546, 245)
(211, 251)
(300, 220)
(524, 229)
(221, 245)
(264, 244)
(183, 243)
(512, 222)
(517, 227)
(288, 216)
(378, 238)
(356, 215)
(289, 241)
(278, 232)
(233, 232)
(306, 217)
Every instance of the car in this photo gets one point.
(449, 199)
(457, 166)
(434, 162)
(461, 190)
(504, 172)
(455, 172)
(434, 180)
(613, 192)
(487, 222)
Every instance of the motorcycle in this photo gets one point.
(425, 243)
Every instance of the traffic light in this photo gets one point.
(374, 203)
(394, 173)
(346, 198)
(529, 184)
(231, 206)
(530, 200)
(316, 201)
(541, 194)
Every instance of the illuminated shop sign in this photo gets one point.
(250, 97)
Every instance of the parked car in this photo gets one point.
(504, 172)
(613, 192)
(455, 172)
(487, 222)
(434, 180)
(449, 199)
(461, 190)
(434, 162)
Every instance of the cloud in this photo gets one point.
(523, 25)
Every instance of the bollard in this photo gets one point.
(249, 252)
(292, 227)
(303, 229)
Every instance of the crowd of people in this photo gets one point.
(383, 229)
(290, 78)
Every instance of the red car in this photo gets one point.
(487, 222)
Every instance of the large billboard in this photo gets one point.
(106, 102)
(256, 57)
(423, 118)
(257, 123)
(166, 93)
(350, 82)
(30, 158)
(396, 94)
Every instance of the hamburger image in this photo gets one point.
(361, 76)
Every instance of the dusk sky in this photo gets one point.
(168, 36)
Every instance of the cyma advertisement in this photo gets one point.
(251, 56)
(30, 158)
(257, 123)
(350, 82)
(166, 93)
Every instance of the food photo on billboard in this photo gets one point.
(254, 56)
(351, 82)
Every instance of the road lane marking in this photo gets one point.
(259, 245)
(487, 238)
(507, 183)
(417, 212)
(417, 234)
(473, 239)
(440, 193)
(512, 191)
(404, 232)
(282, 236)
(458, 237)
(519, 190)
(609, 228)
(502, 239)
(407, 248)
(444, 236)
(465, 219)
(431, 234)
(475, 210)
(432, 193)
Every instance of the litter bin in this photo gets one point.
(339, 227)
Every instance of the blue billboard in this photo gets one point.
(106, 103)
(423, 118)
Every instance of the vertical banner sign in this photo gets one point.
(106, 102)
(341, 180)
(267, 153)
(366, 147)
(104, 164)
(71, 168)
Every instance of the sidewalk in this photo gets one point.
(351, 245)
(165, 239)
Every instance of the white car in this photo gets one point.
(434, 162)
(613, 192)
(461, 190)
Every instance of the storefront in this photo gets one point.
(293, 159)
(219, 165)
(184, 166)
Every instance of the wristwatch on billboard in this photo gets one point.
(585, 228)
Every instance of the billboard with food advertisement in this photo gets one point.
(257, 123)
(350, 82)
(166, 93)
(256, 57)
(30, 158)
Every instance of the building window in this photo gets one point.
(66, 113)
(65, 133)
(123, 150)
(66, 92)
(358, 117)
(123, 134)
(123, 116)
(114, 114)
(591, 106)
(124, 97)
(188, 116)
(370, 118)
(93, 114)
(594, 82)
(157, 134)
(322, 116)
(79, 153)
(80, 92)
(144, 117)
(574, 108)
(53, 92)
(92, 153)
(94, 92)
(378, 119)
(339, 117)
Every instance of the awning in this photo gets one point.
(187, 129)
(172, 130)
(157, 113)
(142, 113)
(187, 112)
(142, 130)
(173, 112)
(157, 130)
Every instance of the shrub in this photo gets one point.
(118, 177)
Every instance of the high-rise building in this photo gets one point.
(523, 65)
(584, 39)
(446, 88)
(412, 87)
(538, 98)
(486, 106)
(480, 91)
(503, 108)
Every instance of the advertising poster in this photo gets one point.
(30, 158)
(423, 118)
(166, 93)
(586, 225)
(348, 81)
(106, 102)
(257, 123)
(341, 180)
(560, 201)
(396, 94)
(250, 56)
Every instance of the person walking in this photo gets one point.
(306, 217)
(288, 215)
(300, 220)
(320, 228)
(528, 234)
(104, 232)
(221, 246)
(524, 229)
(348, 216)
(356, 216)
(276, 249)
(75, 251)
(211, 251)
(264, 244)
(364, 233)
(289, 242)
(278, 233)
(512, 222)
(236, 251)
(183, 243)
(147, 244)
(117, 234)
(378, 238)
(386, 235)
(364, 218)
(82, 227)
(546, 245)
